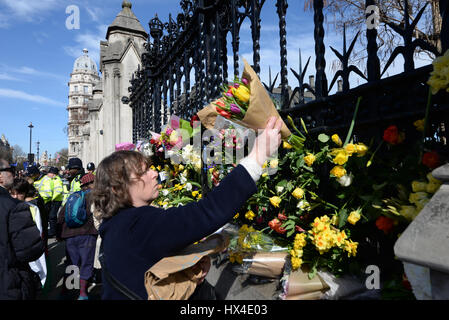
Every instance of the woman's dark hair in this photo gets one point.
(110, 191)
(22, 186)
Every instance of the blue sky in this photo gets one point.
(38, 53)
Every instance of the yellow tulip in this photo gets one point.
(242, 93)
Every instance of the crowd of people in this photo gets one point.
(40, 195)
(108, 216)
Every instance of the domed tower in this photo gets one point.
(82, 79)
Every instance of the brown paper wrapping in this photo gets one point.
(174, 278)
(260, 109)
(300, 287)
(267, 264)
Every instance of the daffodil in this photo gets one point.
(341, 157)
(362, 149)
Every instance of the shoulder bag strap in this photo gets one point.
(113, 281)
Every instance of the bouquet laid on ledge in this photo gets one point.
(247, 103)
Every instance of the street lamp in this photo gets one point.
(30, 155)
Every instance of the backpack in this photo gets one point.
(75, 209)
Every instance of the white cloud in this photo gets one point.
(29, 8)
(16, 94)
(5, 76)
(89, 40)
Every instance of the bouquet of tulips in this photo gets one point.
(246, 102)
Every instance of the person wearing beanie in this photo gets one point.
(80, 242)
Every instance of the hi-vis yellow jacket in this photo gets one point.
(58, 191)
(45, 188)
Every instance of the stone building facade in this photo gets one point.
(101, 121)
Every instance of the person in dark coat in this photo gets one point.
(136, 235)
(20, 243)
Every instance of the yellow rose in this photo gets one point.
(274, 163)
(275, 201)
(362, 149)
(354, 216)
(338, 171)
(309, 159)
(298, 193)
(341, 158)
(418, 186)
(350, 148)
(286, 145)
(250, 215)
(336, 139)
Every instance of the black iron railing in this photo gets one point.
(186, 62)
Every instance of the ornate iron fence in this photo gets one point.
(186, 62)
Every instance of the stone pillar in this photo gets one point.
(424, 248)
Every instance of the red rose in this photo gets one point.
(282, 216)
(431, 159)
(385, 224)
(194, 119)
(392, 135)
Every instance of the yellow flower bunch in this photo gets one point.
(325, 237)
(439, 77)
(297, 252)
(235, 257)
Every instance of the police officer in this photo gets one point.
(76, 172)
(56, 200)
(91, 168)
(44, 185)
